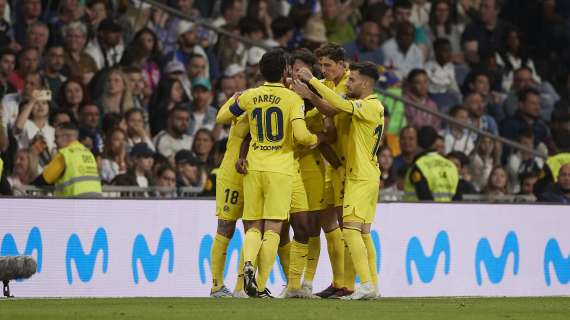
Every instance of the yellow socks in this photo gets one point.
(284, 257)
(371, 253)
(349, 276)
(353, 239)
(298, 259)
(239, 280)
(312, 258)
(335, 246)
(251, 245)
(267, 255)
(218, 255)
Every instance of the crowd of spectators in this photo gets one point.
(144, 86)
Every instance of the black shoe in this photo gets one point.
(328, 292)
(266, 294)
(249, 284)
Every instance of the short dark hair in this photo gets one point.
(226, 5)
(462, 157)
(249, 25)
(440, 42)
(69, 126)
(333, 51)
(523, 95)
(280, 26)
(178, 108)
(453, 112)
(414, 73)
(5, 52)
(366, 68)
(272, 65)
(305, 55)
(427, 136)
(406, 4)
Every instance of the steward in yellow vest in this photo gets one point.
(431, 176)
(73, 170)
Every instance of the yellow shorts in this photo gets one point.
(267, 195)
(334, 188)
(360, 199)
(229, 199)
(314, 182)
(299, 202)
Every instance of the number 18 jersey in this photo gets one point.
(271, 109)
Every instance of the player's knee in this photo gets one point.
(226, 228)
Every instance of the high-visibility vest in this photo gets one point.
(556, 162)
(441, 175)
(81, 176)
(1, 167)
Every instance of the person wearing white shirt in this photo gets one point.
(107, 48)
(401, 53)
(420, 12)
(455, 137)
(33, 122)
(174, 138)
(11, 102)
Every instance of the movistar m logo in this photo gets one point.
(426, 265)
(235, 245)
(553, 255)
(496, 265)
(85, 263)
(151, 262)
(34, 243)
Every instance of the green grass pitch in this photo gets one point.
(251, 309)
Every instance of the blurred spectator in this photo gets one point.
(107, 47)
(522, 80)
(473, 102)
(54, 62)
(488, 30)
(174, 138)
(7, 66)
(26, 169)
(166, 180)
(335, 16)
(482, 161)
(187, 44)
(72, 95)
(11, 102)
(480, 81)
(457, 138)
(527, 182)
(202, 115)
(117, 95)
(31, 12)
(401, 53)
(442, 27)
(520, 162)
(136, 130)
(461, 161)
(114, 155)
(169, 94)
(88, 121)
(190, 173)
(383, 16)
(237, 72)
(388, 172)
(228, 86)
(202, 147)
(439, 144)
(37, 36)
(95, 13)
(230, 50)
(231, 12)
(32, 121)
(147, 42)
(512, 56)
(403, 13)
(28, 62)
(282, 30)
(441, 74)
(80, 64)
(197, 67)
(5, 25)
(139, 89)
(498, 183)
(526, 118)
(366, 47)
(258, 10)
(409, 146)
(111, 121)
(560, 191)
(140, 173)
(417, 92)
(60, 116)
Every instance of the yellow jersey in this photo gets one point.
(341, 120)
(276, 118)
(238, 131)
(365, 133)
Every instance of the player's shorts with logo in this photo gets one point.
(229, 198)
(267, 195)
(360, 199)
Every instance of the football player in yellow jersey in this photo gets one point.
(362, 171)
(332, 62)
(229, 207)
(276, 120)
